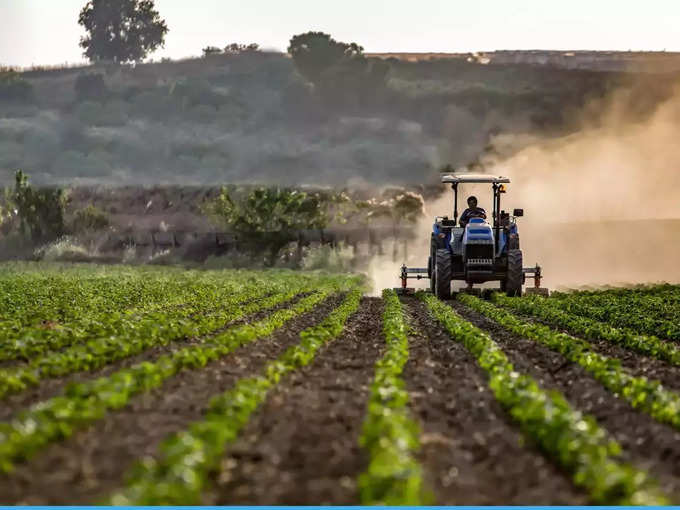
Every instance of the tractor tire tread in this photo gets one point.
(442, 270)
(513, 282)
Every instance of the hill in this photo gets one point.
(251, 117)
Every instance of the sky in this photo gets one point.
(45, 32)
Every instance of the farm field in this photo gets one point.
(160, 385)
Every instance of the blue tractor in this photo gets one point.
(478, 252)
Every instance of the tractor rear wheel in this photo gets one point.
(515, 278)
(442, 274)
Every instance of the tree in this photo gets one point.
(269, 218)
(40, 211)
(121, 30)
(315, 52)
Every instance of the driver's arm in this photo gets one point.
(464, 218)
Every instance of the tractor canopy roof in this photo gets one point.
(468, 177)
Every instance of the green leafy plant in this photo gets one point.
(180, 473)
(648, 396)
(83, 403)
(390, 436)
(571, 439)
(552, 313)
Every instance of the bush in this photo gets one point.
(89, 218)
(40, 211)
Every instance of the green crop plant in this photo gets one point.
(571, 439)
(648, 396)
(551, 313)
(181, 471)
(83, 403)
(390, 436)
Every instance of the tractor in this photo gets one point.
(478, 252)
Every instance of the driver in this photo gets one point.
(471, 212)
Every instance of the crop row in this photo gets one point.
(655, 313)
(648, 396)
(572, 440)
(181, 471)
(551, 313)
(389, 435)
(83, 403)
(138, 336)
(201, 297)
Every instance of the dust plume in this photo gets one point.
(601, 205)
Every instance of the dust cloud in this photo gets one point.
(601, 206)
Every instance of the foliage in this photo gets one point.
(316, 52)
(91, 87)
(269, 217)
(573, 440)
(552, 312)
(121, 30)
(390, 436)
(83, 403)
(241, 48)
(652, 310)
(183, 468)
(89, 218)
(40, 211)
(211, 50)
(648, 396)
(339, 70)
(14, 88)
(121, 337)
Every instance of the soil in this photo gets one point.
(51, 387)
(91, 463)
(302, 447)
(649, 445)
(471, 453)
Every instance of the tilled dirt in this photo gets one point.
(93, 461)
(302, 446)
(471, 453)
(51, 387)
(649, 445)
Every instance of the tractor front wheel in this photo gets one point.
(513, 283)
(442, 274)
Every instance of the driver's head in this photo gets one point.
(472, 201)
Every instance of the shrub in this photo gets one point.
(40, 211)
(89, 218)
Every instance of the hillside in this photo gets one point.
(252, 117)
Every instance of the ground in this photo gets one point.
(269, 386)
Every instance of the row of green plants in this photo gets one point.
(83, 403)
(552, 313)
(182, 470)
(641, 393)
(651, 311)
(99, 317)
(157, 329)
(390, 436)
(571, 439)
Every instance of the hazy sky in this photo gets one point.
(46, 31)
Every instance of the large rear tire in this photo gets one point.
(515, 278)
(442, 274)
